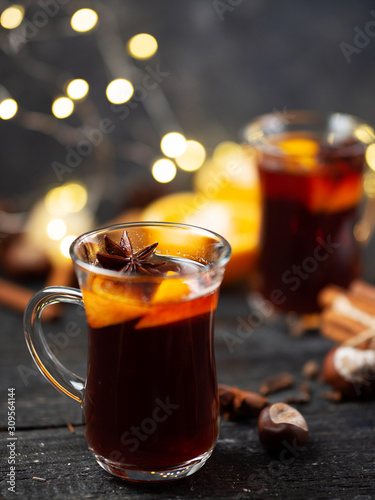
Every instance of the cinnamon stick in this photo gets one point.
(360, 295)
(16, 297)
(59, 275)
(364, 290)
(347, 325)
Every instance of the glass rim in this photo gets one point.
(261, 128)
(91, 268)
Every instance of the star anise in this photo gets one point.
(123, 259)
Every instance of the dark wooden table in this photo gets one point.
(51, 462)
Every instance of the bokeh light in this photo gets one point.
(66, 199)
(193, 157)
(164, 170)
(56, 229)
(8, 108)
(362, 231)
(62, 107)
(142, 46)
(225, 150)
(369, 184)
(12, 17)
(364, 133)
(65, 245)
(84, 20)
(119, 91)
(370, 156)
(77, 89)
(173, 144)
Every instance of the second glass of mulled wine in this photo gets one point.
(311, 170)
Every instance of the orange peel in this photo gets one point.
(171, 290)
(179, 311)
(108, 303)
(238, 221)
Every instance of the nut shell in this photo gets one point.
(281, 426)
(350, 371)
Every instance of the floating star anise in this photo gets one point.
(123, 259)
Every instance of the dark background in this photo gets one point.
(227, 62)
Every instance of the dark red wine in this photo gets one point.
(310, 208)
(151, 395)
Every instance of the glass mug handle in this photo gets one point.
(63, 379)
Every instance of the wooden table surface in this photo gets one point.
(53, 463)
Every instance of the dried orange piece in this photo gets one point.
(328, 196)
(302, 151)
(238, 221)
(299, 146)
(109, 303)
(171, 290)
(171, 313)
(346, 195)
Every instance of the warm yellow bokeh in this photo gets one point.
(193, 157)
(8, 109)
(230, 174)
(119, 91)
(56, 229)
(225, 150)
(142, 46)
(69, 198)
(65, 245)
(370, 156)
(77, 89)
(84, 20)
(365, 134)
(164, 170)
(12, 17)
(173, 144)
(369, 184)
(62, 107)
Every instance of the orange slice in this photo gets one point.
(108, 303)
(238, 221)
(304, 150)
(329, 196)
(299, 146)
(171, 290)
(171, 313)
(347, 195)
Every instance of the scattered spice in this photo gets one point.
(332, 396)
(303, 398)
(311, 369)
(123, 259)
(276, 383)
(236, 403)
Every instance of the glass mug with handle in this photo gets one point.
(311, 169)
(150, 399)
